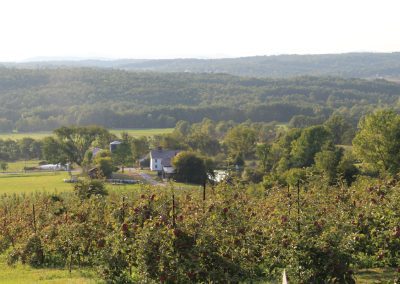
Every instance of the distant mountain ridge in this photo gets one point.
(348, 65)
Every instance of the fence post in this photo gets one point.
(173, 210)
(123, 209)
(34, 217)
(298, 206)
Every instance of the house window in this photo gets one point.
(155, 160)
(155, 166)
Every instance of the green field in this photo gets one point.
(26, 274)
(132, 132)
(376, 275)
(20, 165)
(33, 182)
(142, 132)
(47, 182)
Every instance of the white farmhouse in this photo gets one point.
(160, 160)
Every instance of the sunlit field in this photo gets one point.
(47, 182)
(132, 132)
(25, 274)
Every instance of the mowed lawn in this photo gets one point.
(19, 274)
(132, 132)
(19, 166)
(48, 182)
(34, 182)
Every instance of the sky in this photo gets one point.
(187, 28)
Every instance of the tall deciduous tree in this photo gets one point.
(140, 147)
(341, 129)
(327, 162)
(308, 144)
(75, 141)
(263, 152)
(122, 156)
(189, 167)
(378, 141)
(52, 151)
(240, 140)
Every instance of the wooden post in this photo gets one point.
(173, 210)
(289, 199)
(204, 191)
(70, 262)
(298, 206)
(34, 218)
(123, 209)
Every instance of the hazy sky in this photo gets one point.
(188, 28)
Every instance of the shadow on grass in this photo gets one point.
(376, 275)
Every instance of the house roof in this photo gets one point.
(164, 155)
(95, 151)
(115, 143)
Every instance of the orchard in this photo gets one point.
(239, 233)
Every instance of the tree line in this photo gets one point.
(46, 99)
(265, 152)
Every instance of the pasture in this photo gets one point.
(132, 132)
(20, 273)
(25, 274)
(51, 182)
(19, 166)
(33, 182)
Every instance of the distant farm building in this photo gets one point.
(114, 145)
(160, 161)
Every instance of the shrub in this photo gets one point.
(87, 188)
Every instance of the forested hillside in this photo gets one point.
(350, 65)
(43, 99)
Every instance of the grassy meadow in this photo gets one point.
(25, 274)
(19, 166)
(28, 183)
(132, 132)
(33, 182)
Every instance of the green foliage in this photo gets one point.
(347, 169)
(327, 162)
(263, 152)
(30, 148)
(105, 165)
(140, 147)
(3, 166)
(33, 253)
(343, 132)
(203, 143)
(122, 155)
(252, 175)
(45, 99)
(240, 140)
(87, 188)
(295, 176)
(53, 151)
(189, 167)
(378, 141)
(75, 141)
(168, 141)
(308, 144)
(238, 234)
